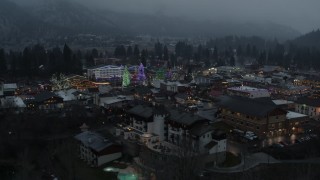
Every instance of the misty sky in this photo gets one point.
(303, 15)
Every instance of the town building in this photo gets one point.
(246, 91)
(96, 150)
(308, 106)
(173, 86)
(105, 72)
(259, 115)
(157, 125)
(296, 121)
(45, 101)
(284, 104)
(208, 80)
(9, 90)
(147, 123)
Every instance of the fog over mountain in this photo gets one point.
(301, 15)
(210, 18)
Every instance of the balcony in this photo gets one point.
(238, 119)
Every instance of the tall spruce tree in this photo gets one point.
(126, 77)
(67, 59)
(3, 62)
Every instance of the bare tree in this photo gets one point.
(59, 82)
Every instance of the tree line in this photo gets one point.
(38, 61)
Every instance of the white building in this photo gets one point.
(157, 126)
(105, 72)
(67, 95)
(308, 106)
(172, 86)
(96, 150)
(9, 89)
(208, 140)
(228, 69)
(148, 120)
(258, 79)
(246, 91)
(114, 101)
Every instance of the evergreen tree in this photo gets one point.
(26, 64)
(136, 51)
(158, 50)
(67, 59)
(160, 74)
(89, 59)
(129, 51)
(232, 61)
(248, 50)
(215, 53)
(120, 51)
(3, 63)
(126, 77)
(165, 53)
(13, 59)
(95, 53)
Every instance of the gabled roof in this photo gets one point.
(210, 145)
(184, 117)
(142, 90)
(77, 93)
(93, 90)
(314, 102)
(182, 95)
(201, 129)
(93, 140)
(45, 95)
(256, 107)
(10, 86)
(142, 111)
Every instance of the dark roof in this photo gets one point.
(210, 145)
(219, 135)
(142, 111)
(160, 110)
(142, 90)
(93, 140)
(256, 107)
(184, 117)
(314, 102)
(77, 93)
(44, 96)
(182, 95)
(201, 129)
(93, 90)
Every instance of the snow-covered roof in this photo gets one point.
(10, 86)
(114, 99)
(12, 102)
(67, 94)
(282, 102)
(293, 115)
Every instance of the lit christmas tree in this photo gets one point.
(160, 74)
(141, 75)
(125, 77)
(169, 74)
